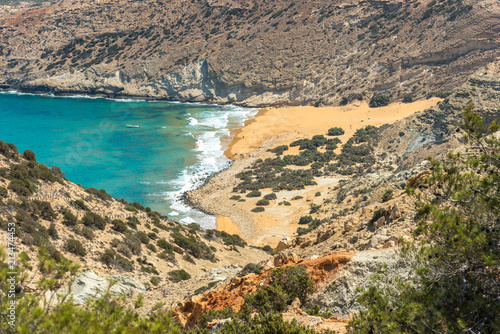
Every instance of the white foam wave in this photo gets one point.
(193, 121)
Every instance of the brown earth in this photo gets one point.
(320, 269)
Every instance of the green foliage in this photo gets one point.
(227, 239)
(235, 197)
(75, 247)
(304, 220)
(102, 194)
(284, 284)
(408, 98)
(53, 231)
(456, 276)
(378, 214)
(258, 209)
(29, 155)
(387, 195)
(88, 233)
(69, 219)
(335, 131)
(251, 268)
(263, 324)
(254, 193)
(179, 275)
(119, 226)
(36, 314)
(262, 202)
(279, 149)
(21, 187)
(270, 197)
(92, 219)
(3, 193)
(193, 246)
(315, 311)
(379, 100)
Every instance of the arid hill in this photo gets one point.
(248, 52)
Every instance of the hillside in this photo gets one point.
(246, 52)
(58, 219)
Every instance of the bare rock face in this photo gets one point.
(285, 257)
(283, 244)
(89, 285)
(339, 296)
(249, 53)
(322, 236)
(395, 213)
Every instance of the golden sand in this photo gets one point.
(226, 224)
(308, 120)
(277, 126)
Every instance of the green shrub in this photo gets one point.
(387, 195)
(254, 193)
(317, 194)
(315, 311)
(155, 280)
(69, 219)
(193, 246)
(53, 231)
(79, 204)
(258, 209)
(379, 100)
(92, 219)
(408, 98)
(271, 196)
(21, 187)
(455, 256)
(335, 131)
(251, 268)
(179, 275)
(143, 237)
(119, 226)
(235, 197)
(75, 247)
(378, 214)
(262, 202)
(88, 233)
(102, 194)
(164, 244)
(279, 149)
(29, 155)
(304, 220)
(283, 286)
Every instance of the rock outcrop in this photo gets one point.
(248, 53)
(89, 285)
(339, 296)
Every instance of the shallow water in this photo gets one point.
(176, 146)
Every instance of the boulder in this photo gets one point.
(322, 236)
(395, 213)
(283, 258)
(380, 222)
(177, 249)
(283, 244)
(350, 224)
(382, 241)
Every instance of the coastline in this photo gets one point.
(272, 127)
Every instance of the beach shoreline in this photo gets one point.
(272, 127)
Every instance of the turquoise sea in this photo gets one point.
(176, 146)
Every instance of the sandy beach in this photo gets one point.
(308, 120)
(277, 126)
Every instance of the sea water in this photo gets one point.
(175, 148)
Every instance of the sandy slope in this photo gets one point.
(277, 126)
(308, 120)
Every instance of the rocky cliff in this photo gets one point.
(246, 52)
